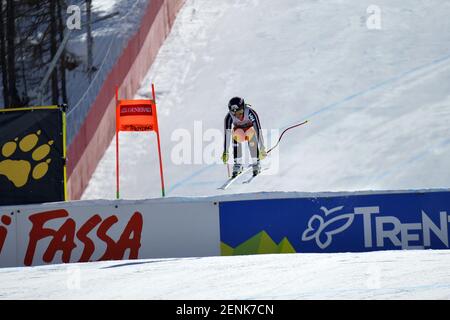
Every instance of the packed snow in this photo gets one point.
(375, 275)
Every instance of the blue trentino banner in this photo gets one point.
(355, 223)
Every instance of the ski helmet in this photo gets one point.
(236, 104)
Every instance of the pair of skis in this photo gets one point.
(231, 180)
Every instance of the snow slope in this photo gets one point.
(377, 100)
(375, 275)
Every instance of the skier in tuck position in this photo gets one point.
(242, 123)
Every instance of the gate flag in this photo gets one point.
(136, 115)
(32, 155)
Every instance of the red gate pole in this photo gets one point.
(117, 143)
(159, 143)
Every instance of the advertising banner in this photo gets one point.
(108, 230)
(32, 155)
(356, 223)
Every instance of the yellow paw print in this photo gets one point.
(18, 171)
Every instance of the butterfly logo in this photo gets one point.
(323, 230)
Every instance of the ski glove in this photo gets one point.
(262, 154)
(225, 157)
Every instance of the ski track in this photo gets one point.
(375, 275)
(321, 110)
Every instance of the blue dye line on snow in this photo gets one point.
(194, 174)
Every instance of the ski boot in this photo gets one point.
(237, 169)
(256, 168)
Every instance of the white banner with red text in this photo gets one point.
(85, 231)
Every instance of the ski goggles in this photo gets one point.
(235, 108)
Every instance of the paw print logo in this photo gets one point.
(18, 171)
(323, 231)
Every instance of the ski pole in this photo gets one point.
(281, 136)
